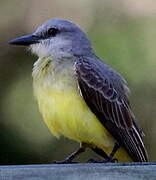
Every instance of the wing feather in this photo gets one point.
(105, 92)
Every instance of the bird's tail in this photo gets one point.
(135, 146)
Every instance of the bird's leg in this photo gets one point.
(115, 148)
(104, 155)
(72, 156)
(100, 152)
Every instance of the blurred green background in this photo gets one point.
(123, 33)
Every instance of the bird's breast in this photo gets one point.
(63, 109)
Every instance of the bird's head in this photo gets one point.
(56, 38)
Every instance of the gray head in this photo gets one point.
(56, 38)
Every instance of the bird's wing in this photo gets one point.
(105, 92)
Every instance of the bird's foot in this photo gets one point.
(109, 160)
(66, 161)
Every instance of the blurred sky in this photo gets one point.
(123, 33)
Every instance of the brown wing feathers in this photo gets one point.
(104, 91)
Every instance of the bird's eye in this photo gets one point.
(52, 31)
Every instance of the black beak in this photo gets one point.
(25, 40)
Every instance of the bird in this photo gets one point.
(80, 96)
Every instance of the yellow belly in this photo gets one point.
(65, 113)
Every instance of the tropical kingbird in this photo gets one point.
(80, 96)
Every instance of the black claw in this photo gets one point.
(115, 160)
(64, 162)
(96, 161)
(112, 160)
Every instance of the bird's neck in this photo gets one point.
(48, 69)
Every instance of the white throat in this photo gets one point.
(54, 47)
